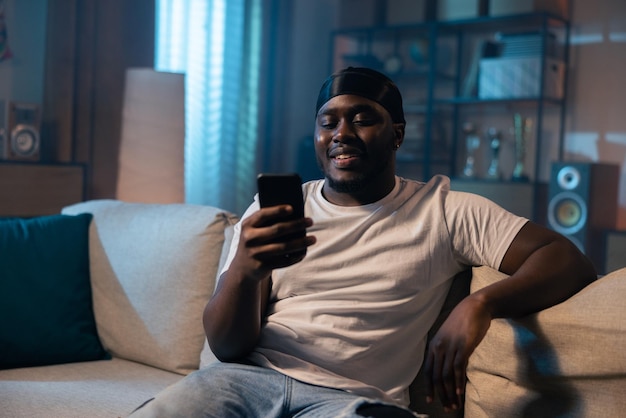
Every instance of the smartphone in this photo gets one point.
(281, 189)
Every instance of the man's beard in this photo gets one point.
(359, 183)
(350, 186)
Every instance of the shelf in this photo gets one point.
(476, 24)
(389, 30)
(419, 158)
(421, 75)
(34, 189)
(439, 77)
(512, 100)
(493, 23)
(495, 182)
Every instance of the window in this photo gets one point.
(217, 44)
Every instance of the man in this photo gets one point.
(341, 331)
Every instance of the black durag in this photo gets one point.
(367, 83)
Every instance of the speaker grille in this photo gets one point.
(24, 141)
(568, 177)
(567, 213)
(22, 133)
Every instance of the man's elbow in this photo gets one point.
(229, 352)
(579, 266)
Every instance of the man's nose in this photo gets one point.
(343, 131)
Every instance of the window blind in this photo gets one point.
(217, 44)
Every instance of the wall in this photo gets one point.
(596, 121)
(21, 77)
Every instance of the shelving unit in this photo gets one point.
(436, 65)
(34, 189)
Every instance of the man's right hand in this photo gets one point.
(266, 242)
(234, 315)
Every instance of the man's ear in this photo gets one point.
(398, 129)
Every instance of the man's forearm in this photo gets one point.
(550, 274)
(232, 318)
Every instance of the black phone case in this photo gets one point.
(279, 189)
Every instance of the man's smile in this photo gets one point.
(344, 158)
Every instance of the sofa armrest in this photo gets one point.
(568, 360)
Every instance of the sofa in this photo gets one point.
(101, 309)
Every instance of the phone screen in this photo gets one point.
(280, 189)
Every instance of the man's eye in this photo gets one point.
(328, 124)
(364, 121)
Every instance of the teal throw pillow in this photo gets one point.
(46, 314)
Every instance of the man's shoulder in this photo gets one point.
(438, 182)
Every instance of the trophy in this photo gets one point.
(472, 143)
(521, 128)
(493, 172)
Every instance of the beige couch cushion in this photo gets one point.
(153, 269)
(94, 389)
(206, 356)
(566, 361)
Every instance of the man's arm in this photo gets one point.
(545, 269)
(234, 315)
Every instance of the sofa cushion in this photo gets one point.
(153, 268)
(568, 360)
(206, 356)
(95, 389)
(46, 314)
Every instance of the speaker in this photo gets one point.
(21, 138)
(582, 205)
(615, 250)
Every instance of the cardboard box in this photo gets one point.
(519, 77)
(509, 7)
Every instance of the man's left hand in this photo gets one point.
(449, 351)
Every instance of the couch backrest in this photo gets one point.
(153, 268)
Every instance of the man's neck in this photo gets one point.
(368, 194)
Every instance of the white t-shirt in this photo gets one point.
(355, 312)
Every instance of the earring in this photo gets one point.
(397, 146)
